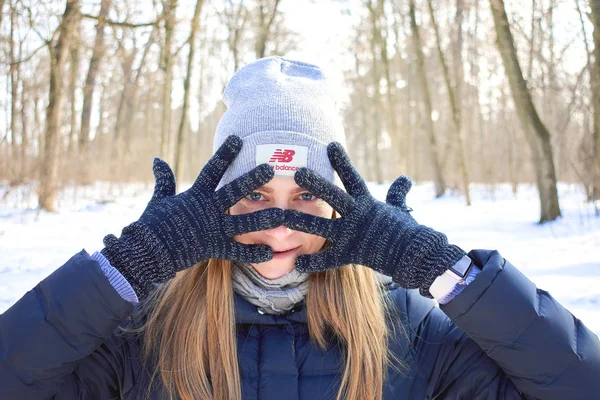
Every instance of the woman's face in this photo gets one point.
(282, 192)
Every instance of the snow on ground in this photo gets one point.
(562, 257)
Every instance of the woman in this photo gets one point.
(254, 285)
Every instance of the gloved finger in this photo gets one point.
(397, 192)
(325, 190)
(250, 253)
(164, 180)
(317, 262)
(213, 171)
(231, 193)
(324, 227)
(251, 222)
(340, 161)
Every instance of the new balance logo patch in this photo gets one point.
(284, 156)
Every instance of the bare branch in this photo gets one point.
(123, 24)
(187, 41)
(29, 57)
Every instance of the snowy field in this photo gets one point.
(562, 257)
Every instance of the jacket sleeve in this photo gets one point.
(502, 338)
(58, 340)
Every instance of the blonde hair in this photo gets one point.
(190, 332)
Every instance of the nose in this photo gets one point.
(279, 233)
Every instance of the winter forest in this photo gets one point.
(455, 92)
(484, 103)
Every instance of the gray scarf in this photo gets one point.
(274, 296)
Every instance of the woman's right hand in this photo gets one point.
(177, 231)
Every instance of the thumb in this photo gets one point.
(164, 185)
(396, 195)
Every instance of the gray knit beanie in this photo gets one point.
(285, 113)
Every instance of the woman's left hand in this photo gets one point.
(384, 237)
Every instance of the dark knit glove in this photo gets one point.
(177, 231)
(381, 236)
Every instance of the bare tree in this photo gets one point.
(88, 89)
(376, 108)
(126, 59)
(183, 123)
(595, 80)
(454, 105)
(1, 11)
(24, 128)
(478, 131)
(380, 38)
(536, 132)
(553, 108)
(129, 99)
(267, 10)
(58, 56)
(235, 15)
(587, 183)
(388, 116)
(14, 84)
(73, 77)
(438, 180)
(169, 11)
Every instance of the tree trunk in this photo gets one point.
(588, 183)
(88, 91)
(73, 74)
(459, 72)
(24, 130)
(148, 109)
(183, 123)
(551, 95)
(536, 132)
(595, 79)
(265, 21)
(532, 41)
(129, 96)
(170, 11)
(235, 16)
(510, 140)
(56, 98)
(237, 34)
(477, 131)
(1, 13)
(440, 186)
(38, 137)
(361, 121)
(412, 157)
(390, 88)
(454, 106)
(124, 100)
(379, 29)
(14, 93)
(376, 108)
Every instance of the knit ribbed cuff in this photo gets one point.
(116, 279)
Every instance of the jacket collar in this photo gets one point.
(247, 313)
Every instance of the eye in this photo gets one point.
(254, 196)
(307, 196)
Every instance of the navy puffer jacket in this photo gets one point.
(501, 338)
